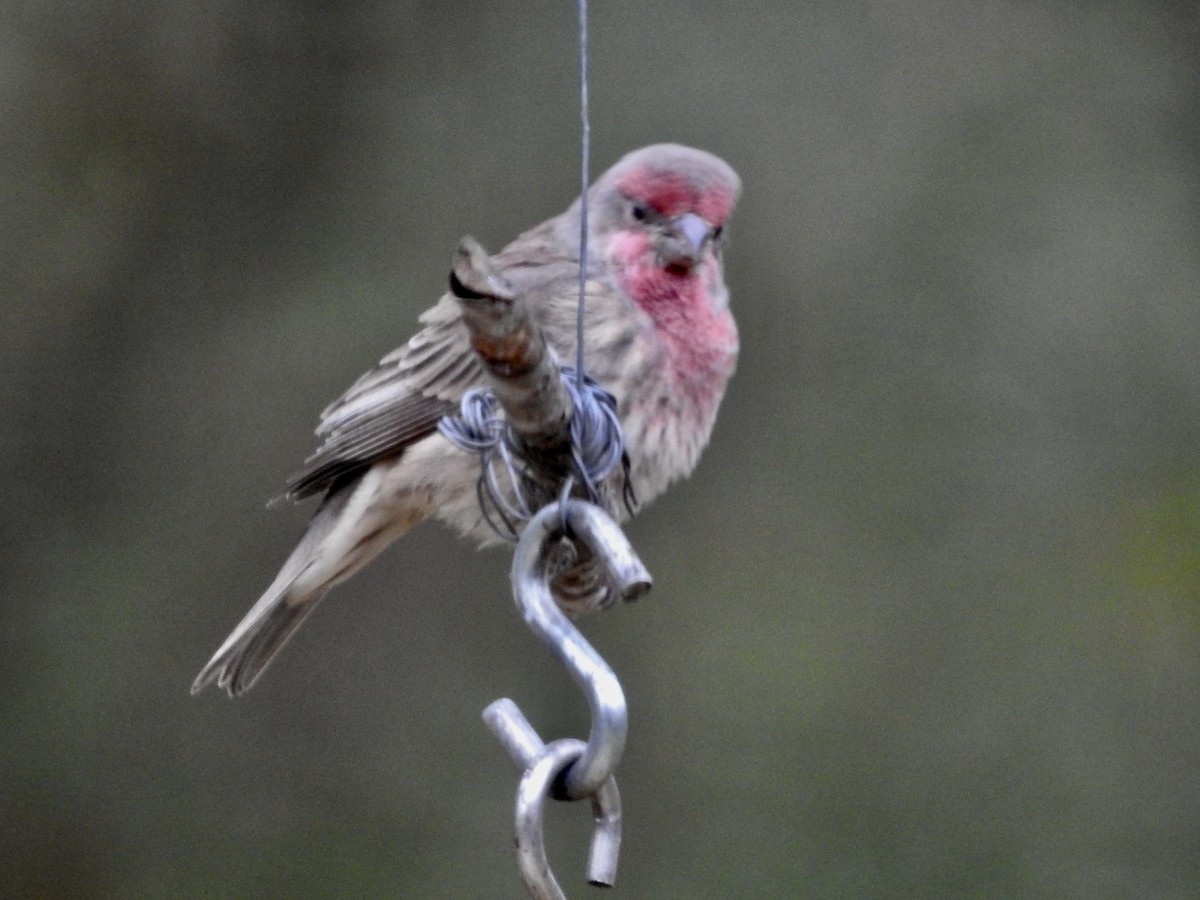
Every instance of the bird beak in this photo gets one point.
(684, 239)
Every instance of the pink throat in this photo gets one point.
(701, 337)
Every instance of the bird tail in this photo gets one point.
(346, 532)
(244, 656)
(281, 609)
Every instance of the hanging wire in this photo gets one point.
(585, 141)
(509, 492)
(563, 769)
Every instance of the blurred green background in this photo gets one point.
(926, 621)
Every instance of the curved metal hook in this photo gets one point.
(542, 765)
(531, 588)
(531, 848)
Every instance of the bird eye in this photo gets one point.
(717, 232)
(641, 212)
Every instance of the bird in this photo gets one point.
(658, 335)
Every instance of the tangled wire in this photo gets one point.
(597, 446)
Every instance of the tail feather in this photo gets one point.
(344, 534)
(279, 611)
(247, 652)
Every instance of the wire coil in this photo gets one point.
(508, 494)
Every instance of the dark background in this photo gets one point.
(926, 621)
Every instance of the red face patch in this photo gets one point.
(672, 194)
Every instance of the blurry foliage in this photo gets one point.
(926, 620)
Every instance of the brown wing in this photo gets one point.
(401, 400)
(395, 404)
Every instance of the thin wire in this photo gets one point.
(597, 448)
(585, 148)
(597, 443)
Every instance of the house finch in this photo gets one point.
(658, 335)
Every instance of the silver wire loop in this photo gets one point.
(504, 487)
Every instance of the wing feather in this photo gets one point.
(394, 405)
(403, 398)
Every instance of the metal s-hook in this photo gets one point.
(531, 588)
(569, 769)
(606, 811)
(542, 764)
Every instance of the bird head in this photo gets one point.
(665, 205)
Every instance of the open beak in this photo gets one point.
(684, 239)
